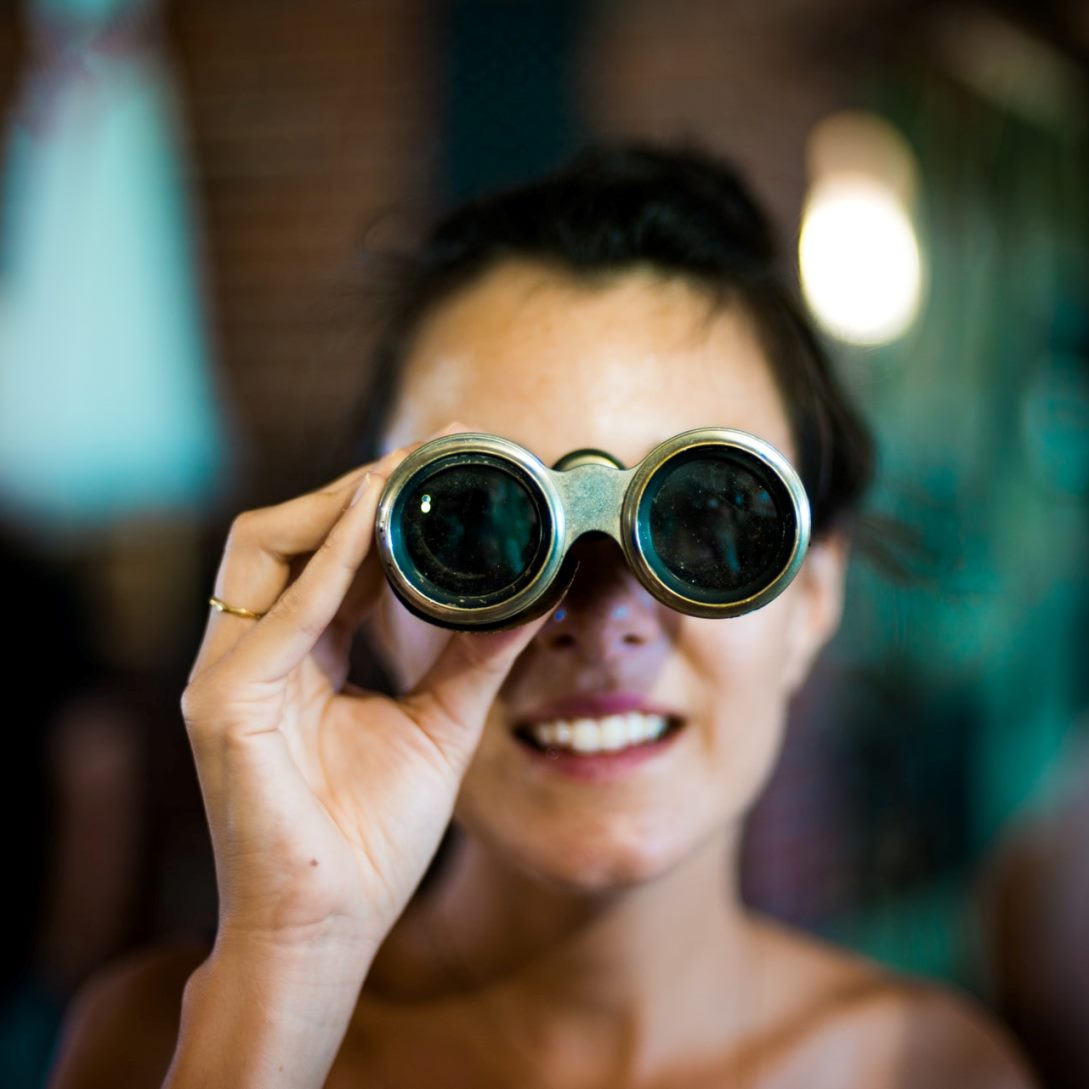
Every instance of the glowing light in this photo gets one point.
(425, 505)
(861, 269)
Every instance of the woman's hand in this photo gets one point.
(325, 802)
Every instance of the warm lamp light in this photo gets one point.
(861, 269)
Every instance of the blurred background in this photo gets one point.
(187, 190)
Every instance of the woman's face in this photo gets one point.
(556, 364)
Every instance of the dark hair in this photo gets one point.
(676, 210)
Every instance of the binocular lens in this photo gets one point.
(472, 531)
(719, 525)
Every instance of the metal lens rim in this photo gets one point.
(640, 552)
(460, 449)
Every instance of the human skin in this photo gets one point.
(560, 884)
(590, 934)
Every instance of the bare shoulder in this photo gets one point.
(873, 1027)
(122, 1025)
(947, 1039)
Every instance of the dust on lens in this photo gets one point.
(715, 524)
(471, 530)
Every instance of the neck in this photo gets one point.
(626, 982)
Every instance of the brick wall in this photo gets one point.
(749, 80)
(10, 56)
(308, 122)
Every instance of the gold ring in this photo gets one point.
(234, 610)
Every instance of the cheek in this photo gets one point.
(407, 645)
(742, 670)
(746, 660)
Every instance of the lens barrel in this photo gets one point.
(718, 522)
(470, 532)
(472, 527)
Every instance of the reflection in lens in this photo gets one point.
(470, 530)
(715, 525)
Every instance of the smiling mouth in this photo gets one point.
(599, 736)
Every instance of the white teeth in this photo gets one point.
(591, 735)
(614, 733)
(642, 727)
(586, 735)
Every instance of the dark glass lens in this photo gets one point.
(470, 530)
(719, 522)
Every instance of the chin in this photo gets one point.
(596, 858)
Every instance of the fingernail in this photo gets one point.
(360, 489)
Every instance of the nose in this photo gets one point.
(607, 614)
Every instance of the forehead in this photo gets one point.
(556, 363)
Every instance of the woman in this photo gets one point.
(581, 930)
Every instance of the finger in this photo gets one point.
(275, 645)
(264, 541)
(258, 558)
(451, 702)
(261, 556)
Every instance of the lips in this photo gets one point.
(597, 735)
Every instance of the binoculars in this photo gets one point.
(475, 532)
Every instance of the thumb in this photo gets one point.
(452, 700)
